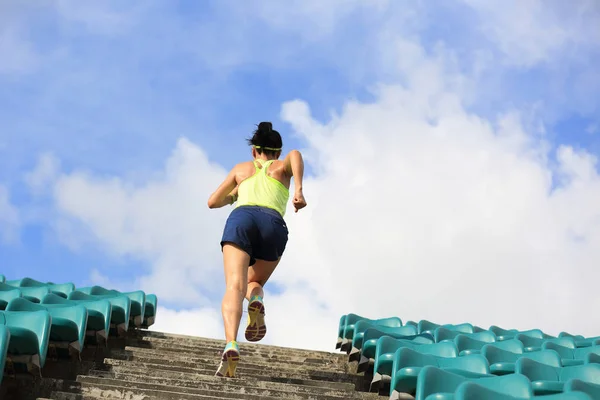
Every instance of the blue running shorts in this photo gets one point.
(259, 231)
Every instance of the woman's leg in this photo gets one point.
(258, 275)
(235, 262)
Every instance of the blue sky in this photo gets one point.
(108, 89)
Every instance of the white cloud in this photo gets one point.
(165, 222)
(44, 174)
(535, 31)
(204, 322)
(9, 218)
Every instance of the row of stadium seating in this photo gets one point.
(444, 361)
(38, 317)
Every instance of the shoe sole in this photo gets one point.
(231, 359)
(256, 329)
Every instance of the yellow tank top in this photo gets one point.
(263, 190)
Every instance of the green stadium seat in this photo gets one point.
(502, 362)
(99, 312)
(518, 388)
(62, 289)
(352, 319)
(548, 379)
(577, 385)
(33, 294)
(471, 343)
(436, 383)
(150, 310)
(4, 341)
(372, 335)
(2, 278)
(535, 344)
(29, 335)
(137, 301)
(7, 293)
(120, 308)
(408, 363)
(362, 326)
(427, 326)
(386, 349)
(68, 324)
(573, 356)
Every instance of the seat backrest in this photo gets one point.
(512, 345)
(441, 334)
(475, 363)
(443, 349)
(536, 371)
(547, 357)
(21, 304)
(495, 354)
(564, 352)
(588, 373)
(465, 327)
(515, 385)
(582, 353)
(406, 357)
(426, 326)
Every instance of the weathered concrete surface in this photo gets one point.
(152, 365)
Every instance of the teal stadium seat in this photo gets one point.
(150, 311)
(386, 349)
(99, 313)
(435, 383)
(7, 293)
(68, 324)
(362, 326)
(535, 344)
(408, 363)
(33, 294)
(62, 289)
(549, 379)
(574, 356)
(471, 343)
(352, 319)
(4, 341)
(120, 308)
(29, 336)
(577, 385)
(502, 362)
(372, 335)
(2, 278)
(137, 301)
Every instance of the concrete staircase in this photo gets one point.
(151, 365)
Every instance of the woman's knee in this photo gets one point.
(237, 284)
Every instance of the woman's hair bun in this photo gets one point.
(265, 127)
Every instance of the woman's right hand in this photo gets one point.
(298, 201)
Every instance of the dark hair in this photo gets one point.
(265, 139)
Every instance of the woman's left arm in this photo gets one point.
(226, 193)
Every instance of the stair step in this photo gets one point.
(144, 355)
(177, 338)
(263, 373)
(251, 354)
(213, 344)
(228, 389)
(197, 380)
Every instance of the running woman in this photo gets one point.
(255, 234)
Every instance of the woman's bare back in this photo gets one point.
(276, 170)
